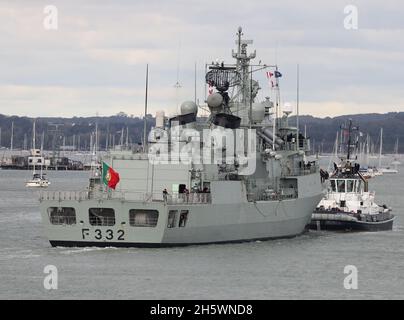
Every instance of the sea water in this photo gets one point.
(310, 266)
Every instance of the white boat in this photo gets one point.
(348, 204)
(388, 170)
(38, 179)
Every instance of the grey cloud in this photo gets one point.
(103, 46)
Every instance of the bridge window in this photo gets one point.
(62, 215)
(350, 185)
(101, 216)
(143, 218)
(183, 218)
(333, 188)
(172, 217)
(341, 185)
(358, 185)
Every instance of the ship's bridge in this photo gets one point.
(341, 185)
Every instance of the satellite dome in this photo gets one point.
(287, 108)
(215, 100)
(258, 112)
(189, 107)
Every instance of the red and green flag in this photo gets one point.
(109, 176)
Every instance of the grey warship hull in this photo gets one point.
(220, 222)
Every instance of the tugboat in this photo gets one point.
(348, 204)
(170, 193)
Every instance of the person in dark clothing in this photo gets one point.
(165, 195)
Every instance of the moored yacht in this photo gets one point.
(38, 180)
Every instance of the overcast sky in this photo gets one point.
(95, 62)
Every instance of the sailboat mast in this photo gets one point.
(367, 149)
(349, 139)
(396, 148)
(145, 109)
(33, 146)
(297, 109)
(12, 136)
(381, 147)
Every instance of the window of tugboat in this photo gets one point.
(358, 186)
(62, 215)
(143, 218)
(101, 216)
(350, 185)
(333, 188)
(341, 185)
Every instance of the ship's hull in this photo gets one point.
(338, 225)
(37, 184)
(206, 223)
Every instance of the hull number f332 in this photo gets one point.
(99, 234)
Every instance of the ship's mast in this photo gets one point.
(297, 106)
(380, 147)
(243, 63)
(349, 139)
(12, 136)
(33, 146)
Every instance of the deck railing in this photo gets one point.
(305, 170)
(60, 220)
(175, 198)
(102, 221)
(270, 197)
(191, 198)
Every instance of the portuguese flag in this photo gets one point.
(109, 176)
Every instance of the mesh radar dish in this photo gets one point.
(222, 77)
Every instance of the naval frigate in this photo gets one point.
(239, 174)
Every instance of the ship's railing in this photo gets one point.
(190, 198)
(102, 221)
(175, 198)
(64, 195)
(304, 170)
(270, 197)
(60, 220)
(147, 222)
(99, 195)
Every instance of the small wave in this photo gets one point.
(21, 254)
(85, 249)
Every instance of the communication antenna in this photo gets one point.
(177, 85)
(195, 84)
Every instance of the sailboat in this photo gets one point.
(385, 170)
(38, 179)
(396, 160)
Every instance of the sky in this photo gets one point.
(94, 62)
